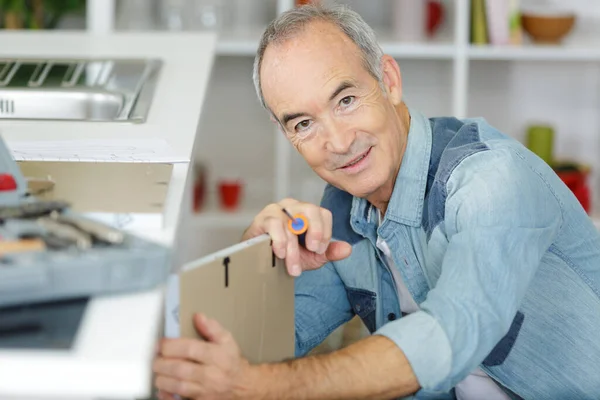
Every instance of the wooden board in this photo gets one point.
(249, 292)
(102, 186)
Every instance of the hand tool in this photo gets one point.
(82, 239)
(32, 210)
(298, 225)
(97, 229)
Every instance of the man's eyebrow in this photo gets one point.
(288, 117)
(343, 86)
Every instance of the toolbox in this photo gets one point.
(49, 252)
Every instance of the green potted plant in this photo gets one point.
(36, 14)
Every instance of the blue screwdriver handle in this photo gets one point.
(298, 225)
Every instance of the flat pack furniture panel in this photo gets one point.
(101, 186)
(249, 291)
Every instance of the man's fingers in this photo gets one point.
(162, 395)
(211, 330)
(189, 349)
(176, 386)
(260, 223)
(319, 219)
(273, 220)
(275, 227)
(176, 368)
(314, 234)
(288, 203)
(180, 348)
(327, 218)
(292, 259)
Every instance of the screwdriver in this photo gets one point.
(298, 225)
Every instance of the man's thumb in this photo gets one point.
(335, 252)
(338, 251)
(209, 328)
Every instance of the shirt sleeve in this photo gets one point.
(321, 305)
(501, 216)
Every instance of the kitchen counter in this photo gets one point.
(176, 105)
(115, 344)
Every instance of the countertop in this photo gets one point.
(116, 342)
(176, 105)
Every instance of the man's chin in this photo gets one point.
(363, 190)
(363, 187)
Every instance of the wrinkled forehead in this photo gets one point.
(307, 65)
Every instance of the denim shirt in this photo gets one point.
(501, 258)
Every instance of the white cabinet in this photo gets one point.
(511, 87)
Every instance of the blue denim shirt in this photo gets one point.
(498, 253)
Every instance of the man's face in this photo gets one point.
(333, 111)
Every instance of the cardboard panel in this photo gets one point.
(102, 186)
(249, 292)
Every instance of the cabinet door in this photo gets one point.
(249, 292)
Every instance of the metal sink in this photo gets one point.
(78, 90)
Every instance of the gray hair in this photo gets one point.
(292, 21)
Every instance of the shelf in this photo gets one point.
(244, 42)
(581, 49)
(440, 47)
(418, 50)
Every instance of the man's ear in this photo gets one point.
(392, 79)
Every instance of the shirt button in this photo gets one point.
(391, 316)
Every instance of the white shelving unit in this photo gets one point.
(100, 16)
(511, 86)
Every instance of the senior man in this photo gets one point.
(474, 267)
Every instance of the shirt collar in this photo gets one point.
(406, 203)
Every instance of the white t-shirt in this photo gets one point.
(478, 385)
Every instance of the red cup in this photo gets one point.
(576, 181)
(230, 193)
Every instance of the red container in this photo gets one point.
(230, 193)
(577, 182)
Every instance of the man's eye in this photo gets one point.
(346, 101)
(302, 125)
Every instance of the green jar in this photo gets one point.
(540, 140)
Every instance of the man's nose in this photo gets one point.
(339, 138)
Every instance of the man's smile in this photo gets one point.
(357, 164)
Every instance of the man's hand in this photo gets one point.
(319, 247)
(196, 369)
(215, 369)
